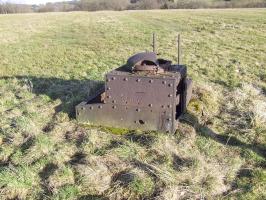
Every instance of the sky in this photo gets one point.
(31, 1)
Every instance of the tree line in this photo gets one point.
(94, 5)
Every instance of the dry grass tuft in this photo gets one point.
(19, 182)
(131, 184)
(62, 176)
(94, 175)
(176, 193)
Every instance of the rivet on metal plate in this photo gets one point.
(141, 122)
(91, 108)
(170, 95)
(151, 81)
(150, 105)
(138, 80)
(125, 79)
(113, 78)
(138, 110)
(170, 84)
(164, 82)
(114, 107)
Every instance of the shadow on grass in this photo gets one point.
(47, 171)
(27, 144)
(145, 139)
(203, 130)
(264, 90)
(70, 92)
(123, 178)
(103, 150)
(78, 138)
(179, 162)
(78, 158)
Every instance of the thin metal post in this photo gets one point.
(154, 42)
(179, 49)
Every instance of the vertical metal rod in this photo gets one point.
(179, 49)
(154, 42)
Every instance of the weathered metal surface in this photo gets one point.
(140, 91)
(149, 56)
(147, 94)
(132, 117)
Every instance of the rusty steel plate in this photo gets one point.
(131, 117)
(141, 91)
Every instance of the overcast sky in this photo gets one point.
(31, 1)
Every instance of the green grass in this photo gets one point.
(51, 62)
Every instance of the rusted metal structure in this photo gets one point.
(147, 93)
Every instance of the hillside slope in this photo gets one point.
(50, 62)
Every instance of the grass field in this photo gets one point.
(50, 62)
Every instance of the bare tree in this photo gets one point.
(6, 8)
(93, 5)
